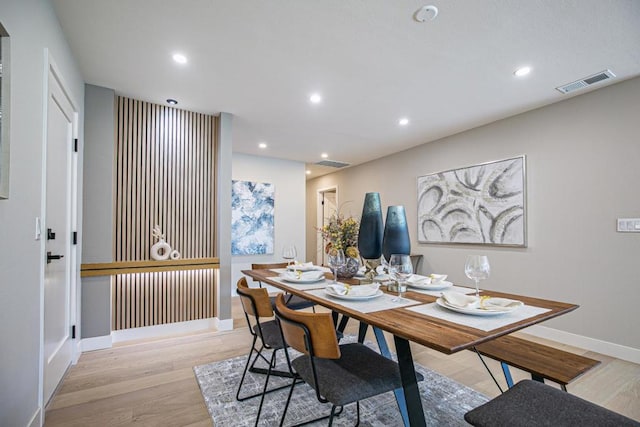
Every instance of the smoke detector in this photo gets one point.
(426, 13)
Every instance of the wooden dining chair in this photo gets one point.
(257, 309)
(293, 301)
(339, 374)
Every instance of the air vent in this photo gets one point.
(332, 163)
(579, 84)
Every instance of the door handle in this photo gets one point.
(50, 257)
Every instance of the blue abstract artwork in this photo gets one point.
(252, 206)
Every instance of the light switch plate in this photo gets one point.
(628, 225)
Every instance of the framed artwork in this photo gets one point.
(482, 204)
(252, 207)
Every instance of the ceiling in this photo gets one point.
(260, 60)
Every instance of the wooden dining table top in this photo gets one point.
(438, 334)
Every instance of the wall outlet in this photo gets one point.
(628, 225)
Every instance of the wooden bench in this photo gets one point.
(541, 361)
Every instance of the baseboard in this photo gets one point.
(618, 351)
(157, 331)
(224, 324)
(36, 420)
(96, 343)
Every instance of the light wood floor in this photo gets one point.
(152, 382)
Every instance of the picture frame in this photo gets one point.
(483, 204)
(252, 218)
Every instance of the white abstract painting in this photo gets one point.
(252, 207)
(483, 204)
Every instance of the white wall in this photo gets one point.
(288, 178)
(583, 172)
(33, 27)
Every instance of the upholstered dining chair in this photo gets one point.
(293, 301)
(339, 374)
(257, 311)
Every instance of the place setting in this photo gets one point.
(478, 311)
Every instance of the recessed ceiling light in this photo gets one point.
(262, 145)
(315, 98)
(179, 58)
(522, 71)
(308, 172)
(171, 101)
(324, 155)
(403, 121)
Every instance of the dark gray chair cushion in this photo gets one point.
(531, 403)
(294, 302)
(271, 334)
(358, 374)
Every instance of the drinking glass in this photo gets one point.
(400, 269)
(336, 260)
(477, 268)
(289, 253)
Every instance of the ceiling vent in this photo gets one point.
(332, 163)
(587, 81)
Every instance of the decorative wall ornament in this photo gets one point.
(252, 226)
(161, 250)
(481, 204)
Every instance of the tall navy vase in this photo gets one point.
(370, 233)
(396, 233)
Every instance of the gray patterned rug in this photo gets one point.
(444, 400)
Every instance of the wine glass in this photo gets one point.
(336, 260)
(289, 253)
(400, 269)
(477, 268)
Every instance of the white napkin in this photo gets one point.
(302, 266)
(299, 275)
(499, 304)
(461, 300)
(416, 278)
(356, 291)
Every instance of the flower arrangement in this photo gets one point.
(341, 233)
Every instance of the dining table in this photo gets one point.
(420, 319)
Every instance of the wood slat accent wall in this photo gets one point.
(147, 299)
(165, 175)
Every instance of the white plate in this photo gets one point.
(473, 311)
(443, 284)
(329, 292)
(302, 280)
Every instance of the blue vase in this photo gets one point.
(396, 233)
(371, 228)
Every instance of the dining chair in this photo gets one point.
(257, 309)
(293, 301)
(339, 374)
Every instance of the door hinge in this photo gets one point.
(75, 145)
(74, 237)
(73, 332)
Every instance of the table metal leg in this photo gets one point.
(399, 393)
(409, 382)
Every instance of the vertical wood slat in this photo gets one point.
(147, 299)
(165, 169)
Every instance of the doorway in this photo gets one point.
(327, 206)
(59, 204)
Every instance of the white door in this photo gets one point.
(57, 348)
(327, 206)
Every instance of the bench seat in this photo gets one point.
(542, 361)
(530, 403)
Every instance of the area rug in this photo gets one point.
(444, 401)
